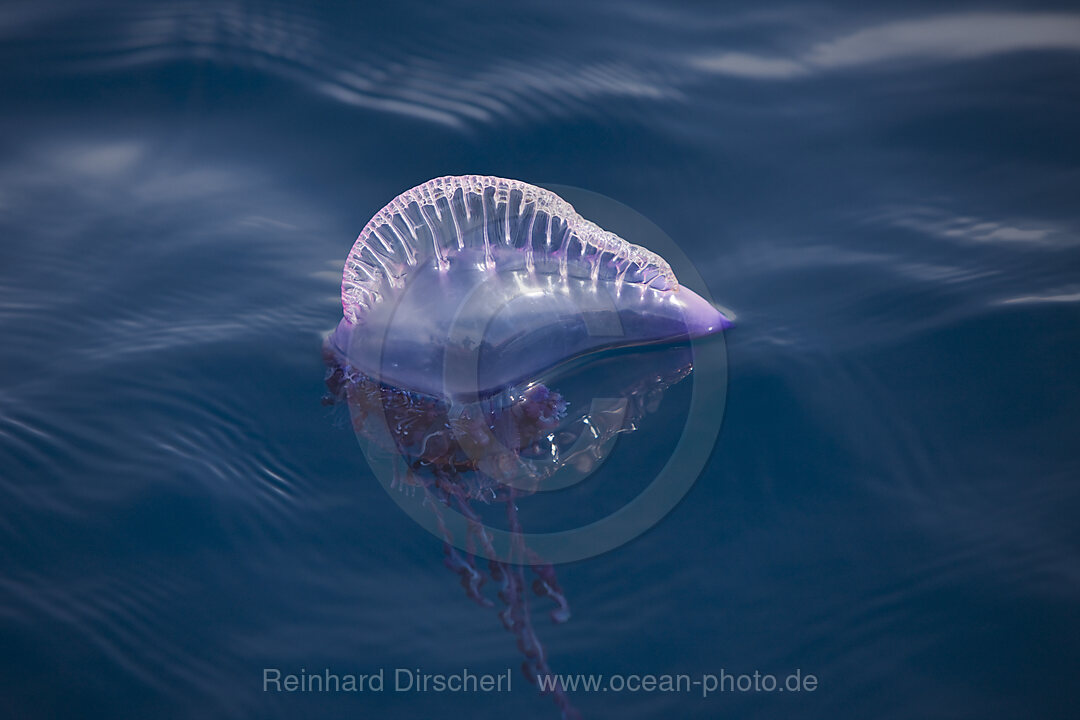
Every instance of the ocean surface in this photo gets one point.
(885, 197)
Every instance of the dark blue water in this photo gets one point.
(886, 197)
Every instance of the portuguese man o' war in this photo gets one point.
(492, 343)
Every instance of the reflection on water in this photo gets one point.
(886, 198)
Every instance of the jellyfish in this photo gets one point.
(494, 344)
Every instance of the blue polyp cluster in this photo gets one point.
(473, 449)
(418, 426)
(459, 454)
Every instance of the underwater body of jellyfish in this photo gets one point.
(470, 305)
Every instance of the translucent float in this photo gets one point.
(467, 285)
